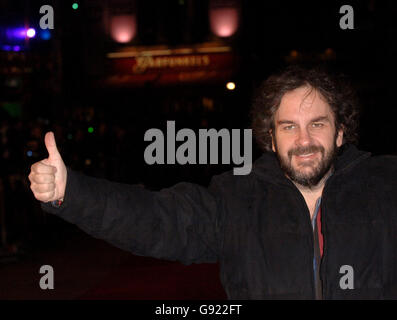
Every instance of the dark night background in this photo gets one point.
(62, 84)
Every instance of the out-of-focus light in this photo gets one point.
(6, 47)
(90, 129)
(70, 136)
(224, 21)
(16, 33)
(75, 6)
(45, 35)
(12, 82)
(294, 54)
(30, 33)
(123, 28)
(87, 162)
(329, 53)
(16, 48)
(230, 85)
(29, 153)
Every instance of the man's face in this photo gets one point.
(305, 138)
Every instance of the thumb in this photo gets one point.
(51, 146)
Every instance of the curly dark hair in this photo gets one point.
(336, 90)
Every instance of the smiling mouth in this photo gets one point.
(306, 155)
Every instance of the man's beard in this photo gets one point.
(319, 167)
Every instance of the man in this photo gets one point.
(315, 219)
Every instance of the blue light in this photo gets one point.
(20, 33)
(29, 153)
(6, 47)
(16, 33)
(15, 48)
(45, 35)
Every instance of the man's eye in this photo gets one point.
(289, 127)
(317, 124)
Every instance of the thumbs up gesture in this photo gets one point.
(48, 176)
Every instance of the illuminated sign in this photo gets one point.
(144, 63)
(170, 66)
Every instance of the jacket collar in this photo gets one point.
(267, 166)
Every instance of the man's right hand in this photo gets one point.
(48, 176)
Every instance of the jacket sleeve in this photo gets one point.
(178, 223)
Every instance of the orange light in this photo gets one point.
(294, 54)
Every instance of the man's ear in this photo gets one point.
(271, 134)
(339, 138)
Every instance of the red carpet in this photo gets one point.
(86, 268)
(160, 280)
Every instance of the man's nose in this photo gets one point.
(303, 138)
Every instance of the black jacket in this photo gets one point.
(257, 226)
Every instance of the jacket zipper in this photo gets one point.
(324, 230)
(322, 260)
(307, 214)
(324, 233)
